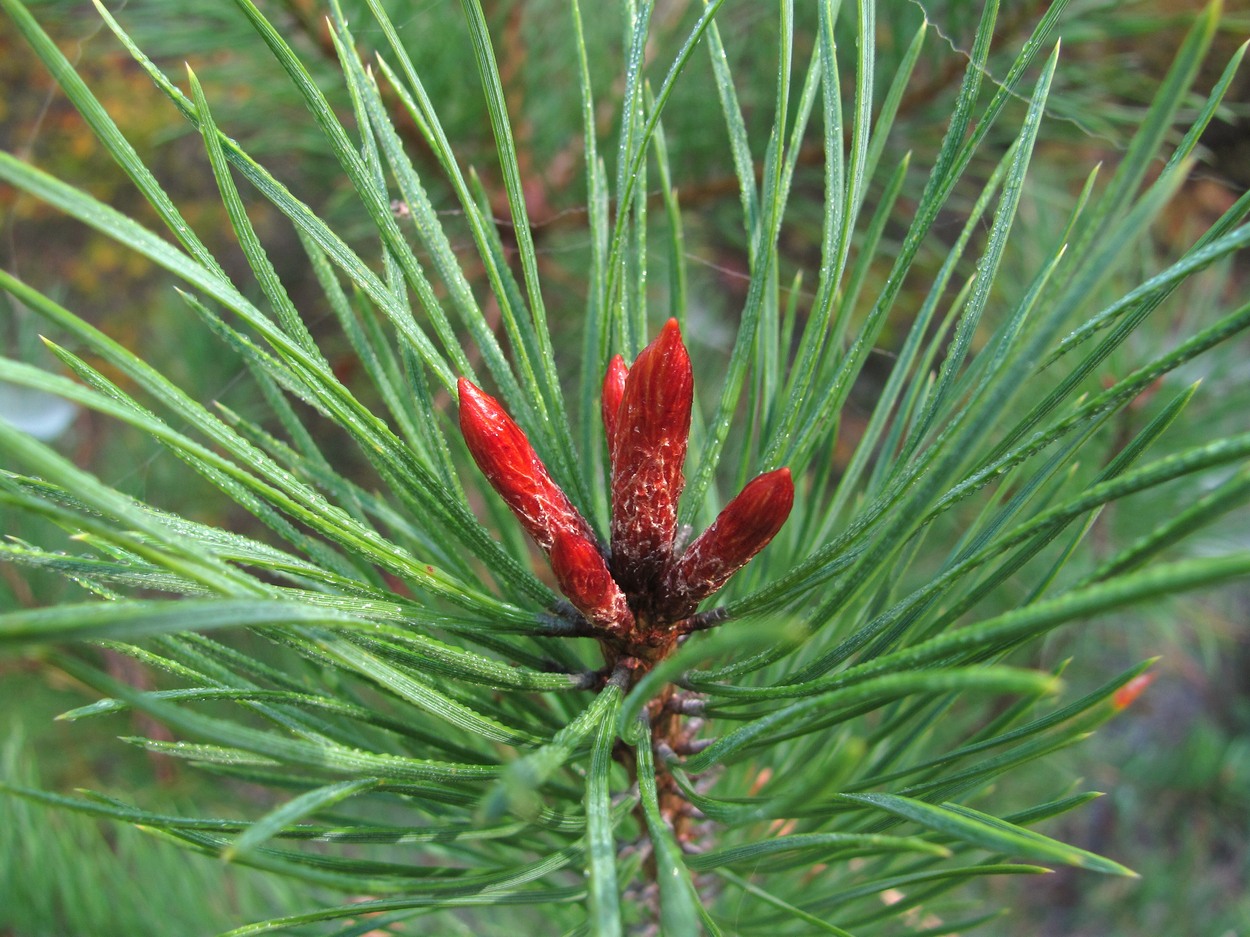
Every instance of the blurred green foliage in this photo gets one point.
(1176, 767)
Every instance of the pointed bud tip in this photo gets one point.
(666, 348)
(466, 389)
(613, 390)
(667, 351)
(477, 409)
(1127, 694)
(670, 337)
(780, 477)
(776, 487)
(614, 380)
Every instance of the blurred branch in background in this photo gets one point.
(1175, 766)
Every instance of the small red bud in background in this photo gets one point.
(505, 456)
(741, 530)
(648, 450)
(613, 390)
(1125, 695)
(584, 579)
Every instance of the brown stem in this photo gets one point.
(669, 734)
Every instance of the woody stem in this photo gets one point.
(667, 734)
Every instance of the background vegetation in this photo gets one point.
(1175, 767)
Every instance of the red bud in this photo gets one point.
(741, 530)
(584, 578)
(505, 456)
(1126, 695)
(648, 449)
(613, 390)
